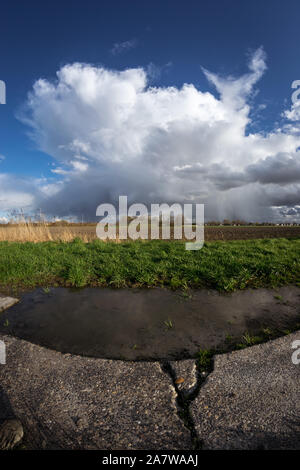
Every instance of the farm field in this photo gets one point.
(87, 232)
(211, 233)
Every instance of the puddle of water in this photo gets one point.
(145, 323)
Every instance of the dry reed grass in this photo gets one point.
(30, 232)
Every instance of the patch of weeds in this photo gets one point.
(268, 332)
(251, 340)
(6, 323)
(228, 338)
(46, 290)
(77, 274)
(264, 335)
(205, 360)
(287, 332)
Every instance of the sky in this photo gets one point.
(162, 101)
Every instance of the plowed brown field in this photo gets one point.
(211, 233)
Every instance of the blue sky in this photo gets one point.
(171, 40)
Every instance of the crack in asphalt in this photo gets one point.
(184, 399)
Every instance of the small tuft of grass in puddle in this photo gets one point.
(268, 331)
(185, 294)
(169, 324)
(228, 338)
(250, 340)
(278, 297)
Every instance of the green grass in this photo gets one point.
(205, 360)
(205, 356)
(225, 266)
(169, 324)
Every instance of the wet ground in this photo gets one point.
(146, 324)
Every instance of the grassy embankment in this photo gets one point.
(225, 266)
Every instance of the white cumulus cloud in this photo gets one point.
(111, 133)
